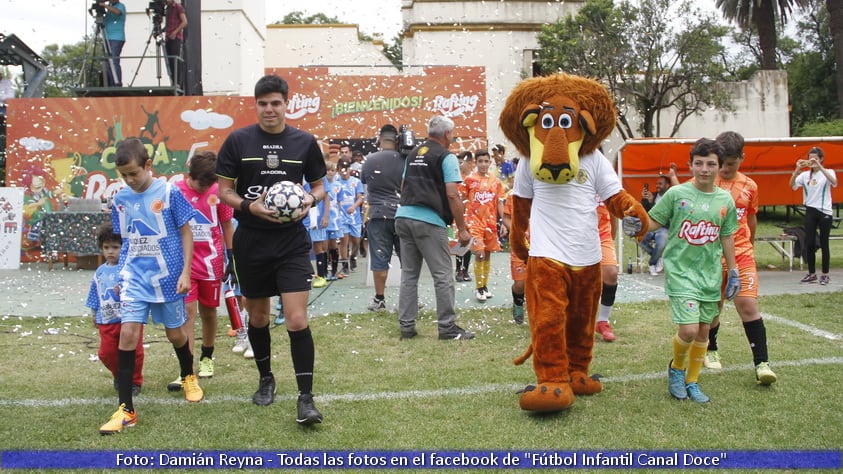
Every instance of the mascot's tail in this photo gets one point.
(526, 355)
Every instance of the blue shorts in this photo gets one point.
(382, 240)
(171, 314)
(318, 235)
(335, 234)
(354, 230)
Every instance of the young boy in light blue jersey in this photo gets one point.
(153, 218)
(105, 302)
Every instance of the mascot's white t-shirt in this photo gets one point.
(563, 219)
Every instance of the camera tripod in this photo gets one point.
(98, 43)
(158, 35)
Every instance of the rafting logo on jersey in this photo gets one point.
(484, 197)
(272, 161)
(700, 233)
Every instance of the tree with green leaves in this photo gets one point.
(811, 72)
(655, 56)
(65, 67)
(393, 51)
(298, 18)
(835, 21)
(760, 15)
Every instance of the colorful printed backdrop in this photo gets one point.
(59, 149)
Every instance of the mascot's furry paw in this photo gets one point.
(582, 384)
(547, 397)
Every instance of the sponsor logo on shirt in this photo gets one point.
(700, 233)
(483, 197)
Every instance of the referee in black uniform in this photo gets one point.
(272, 257)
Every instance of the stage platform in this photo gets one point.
(146, 91)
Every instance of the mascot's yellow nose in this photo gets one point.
(552, 170)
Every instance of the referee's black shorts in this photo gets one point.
(269, 262)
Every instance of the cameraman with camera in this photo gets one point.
(381, 173)
(176, 22)
(113, 15)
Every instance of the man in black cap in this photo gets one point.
(381, 173)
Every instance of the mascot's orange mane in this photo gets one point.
(554, 129)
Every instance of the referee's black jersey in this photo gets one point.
(256, 160)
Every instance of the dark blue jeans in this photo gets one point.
(114, 72)
(654, 243)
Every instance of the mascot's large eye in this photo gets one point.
(547, 121)
(565, 121)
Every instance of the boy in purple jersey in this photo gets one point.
(272, 257)
(153, 218)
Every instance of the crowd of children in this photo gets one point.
(183, 275)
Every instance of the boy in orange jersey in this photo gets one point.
(609, 268)
(745, 193)
(517, 268)
(466, 168)
(485, 195)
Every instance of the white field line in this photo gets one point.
(409, 394)
(814, 331)
(419, 394)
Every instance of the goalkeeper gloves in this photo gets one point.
(733, 284)
(631, 225)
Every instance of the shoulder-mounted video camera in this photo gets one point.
(406, 140)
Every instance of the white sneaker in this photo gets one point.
(480, 295)
(241, 343)
(653, 271)
(660, 265)
(248, 353)
(487, 292)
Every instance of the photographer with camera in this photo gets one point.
(176, 22)
(113, 16)
(816, 182)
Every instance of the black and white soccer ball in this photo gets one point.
(286, 198)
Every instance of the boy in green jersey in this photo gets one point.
(701, 219)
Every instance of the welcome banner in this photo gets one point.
(357, 106)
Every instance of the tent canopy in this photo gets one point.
(768, 161)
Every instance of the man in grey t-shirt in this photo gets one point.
(381, 173)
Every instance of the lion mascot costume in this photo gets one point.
(558, 123)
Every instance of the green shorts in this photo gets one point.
(684, 310)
